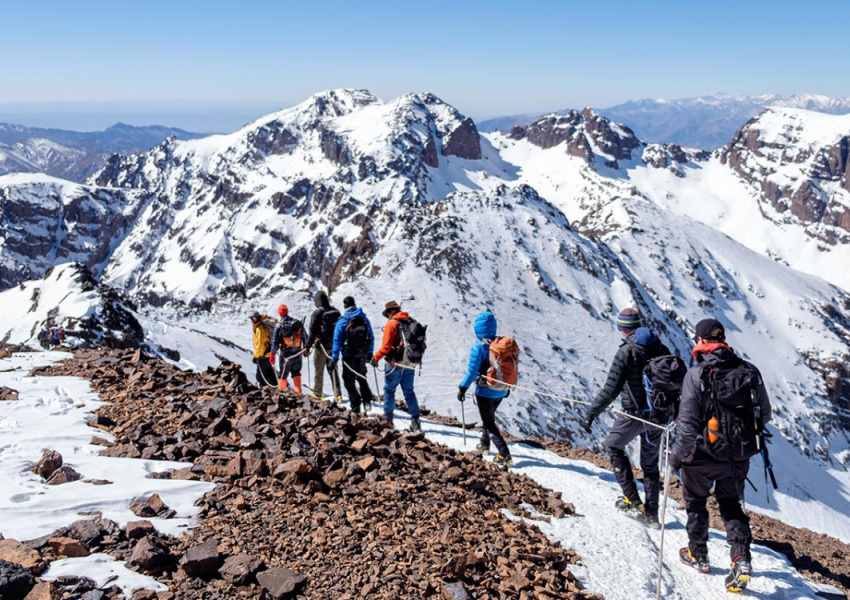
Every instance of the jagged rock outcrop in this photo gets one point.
(798, 162)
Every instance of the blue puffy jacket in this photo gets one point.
(339, 332)
(485, 331)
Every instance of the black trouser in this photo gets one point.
(352, 381)
(265, 373)
(620, 436)
(728, 480)
(487, 409)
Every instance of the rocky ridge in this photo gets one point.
(312, 499)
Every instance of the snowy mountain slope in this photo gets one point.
(705, 122)
(780, 187)
(46, 221)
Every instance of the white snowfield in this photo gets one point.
(51, 414)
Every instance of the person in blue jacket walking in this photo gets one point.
(487, 398)
(355, 342)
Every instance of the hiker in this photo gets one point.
(722, 416)
(288, 349)
(401, 359)
(355, 342)
(625, 379)
(60, 335)
(488, 395)
(44, 339)
(320, 342)
(262, 351)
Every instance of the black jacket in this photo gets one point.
(316, 334)
(627, 370)
(695, 409)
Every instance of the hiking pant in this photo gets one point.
(620, 436)
(265, 373)
(393, 377)
(289, 366)
(487, 409)
(351, 381)
(320, 363)
(728, 480)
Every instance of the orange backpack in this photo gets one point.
(504, 364)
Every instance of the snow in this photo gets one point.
(51, 413)
(105, 571)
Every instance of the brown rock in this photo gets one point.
(142, 509)
(16, 552)
(65, 546)
(368, 463)
(8, 394)
(201, 561)
(46, 590)
(47, 465)
(149, 552)
(156, 503)
(280, 582)
(334, 479)
(64, 474)
(136, 530)
(238, 570)
(299, 467)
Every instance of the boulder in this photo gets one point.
(46, 590)
(238, 570)
(280, 582)
(201, 561)
(136, 530)
(149, 552)
(65, 546)
(64, 474)
(49, 462)
(15, 580)
(17, 552)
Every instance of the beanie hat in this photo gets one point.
(628, 319)
(348, 302)
(283, 310)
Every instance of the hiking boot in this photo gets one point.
(388, 419)
(503, 462)
(317, 396)
(700, 563)
(626, 505)
(415, 425)
(652, 521)
(739, 576)
(482, 449)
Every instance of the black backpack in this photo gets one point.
(412, 342)
(357, 338)
(329, 319)
(291, 332)
(663, 377)
(732, 393)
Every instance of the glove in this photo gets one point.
(675, 462)
(332, 365)
(271, 358)
(461, 393)
(587, 424)
(374, 362)
(305, 352)
(254, 360)
(508, 395)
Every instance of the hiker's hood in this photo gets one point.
(401, 316)
(354, 311)
(715, 352)
(321, 299)
(645, 337)
(485, 326)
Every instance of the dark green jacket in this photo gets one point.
(627, 369)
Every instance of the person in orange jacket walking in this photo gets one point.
(403, 346)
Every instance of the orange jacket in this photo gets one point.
(391, 336)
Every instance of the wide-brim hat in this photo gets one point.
(393, 305)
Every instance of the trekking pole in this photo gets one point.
(463, 420)
(375, 373)
(667, 477)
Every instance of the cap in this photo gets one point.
(710, 329)
(628, 319)
(255, 315)
(348, 301)
(283, 310)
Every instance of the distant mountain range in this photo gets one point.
(705, 122)
(75, 155)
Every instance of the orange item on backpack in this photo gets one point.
(504, 363)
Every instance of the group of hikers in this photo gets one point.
(719, 405)
(50, 338)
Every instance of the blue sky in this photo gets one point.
(486, 58)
